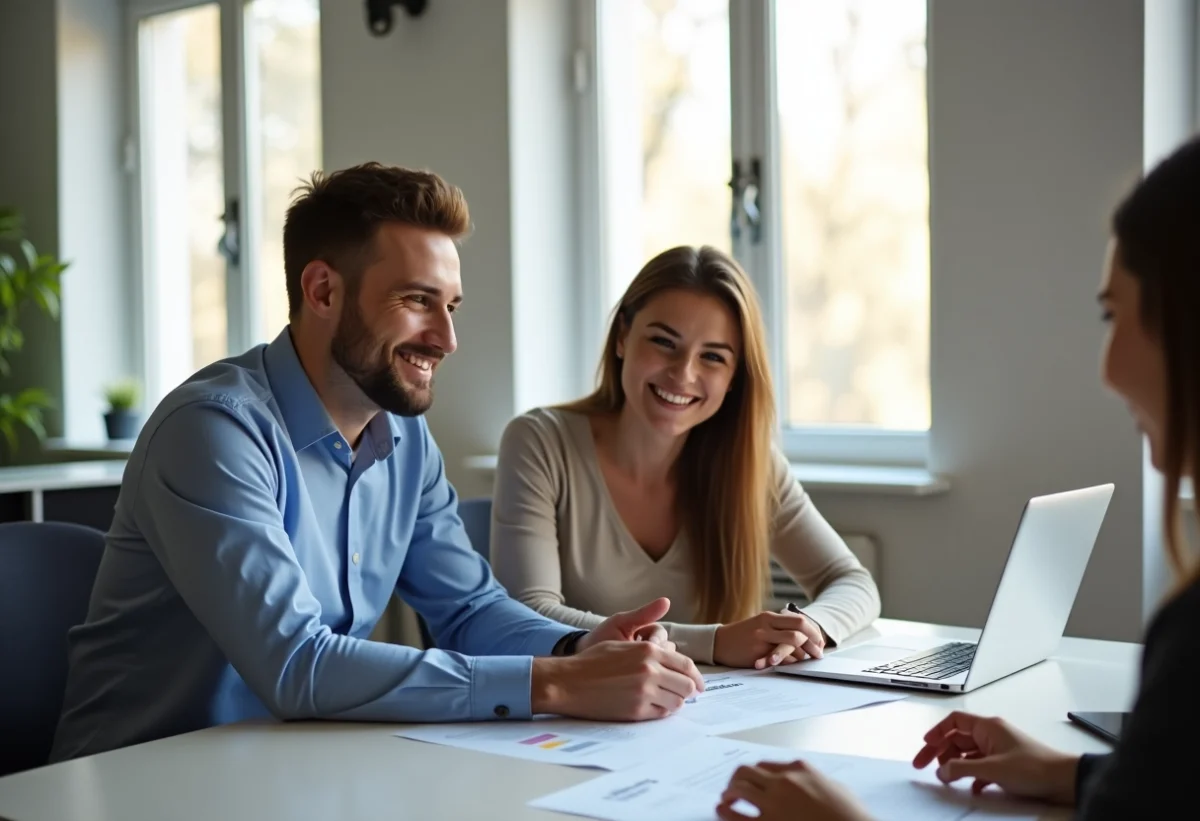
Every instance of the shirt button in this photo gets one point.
(355, 558)
(337, 445)
(501, 711)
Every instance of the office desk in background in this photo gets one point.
(82, 493)
(324, 770)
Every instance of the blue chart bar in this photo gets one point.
(582, 745)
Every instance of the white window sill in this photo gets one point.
(857, 479)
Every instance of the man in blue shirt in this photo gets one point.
(275, 500)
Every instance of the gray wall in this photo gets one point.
(29, 174)
(436, 93)
(1036, 129)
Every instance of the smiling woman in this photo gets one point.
(665, 482)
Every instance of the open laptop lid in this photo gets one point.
(1041, 578)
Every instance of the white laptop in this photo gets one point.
(1029, 610)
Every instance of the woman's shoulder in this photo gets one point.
(546, 421)
(554, 432)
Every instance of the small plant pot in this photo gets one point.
(122, 424)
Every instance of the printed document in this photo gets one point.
(687, 785)
(743, 699)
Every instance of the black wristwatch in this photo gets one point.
(566, 645)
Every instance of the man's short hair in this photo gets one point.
(335, 217)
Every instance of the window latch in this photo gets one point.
(229, 244)
(746, 210)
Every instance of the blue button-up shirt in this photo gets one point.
(252, 552)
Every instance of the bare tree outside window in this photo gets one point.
(667, 68)
(852, 104)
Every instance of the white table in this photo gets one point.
(322, 770)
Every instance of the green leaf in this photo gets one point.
(10, 223)
(8, 264)
(35, 396)
(51, 300)
(31, 254)
(8, 296)
(10, 433)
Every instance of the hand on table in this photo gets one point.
(768, 639)
(788, 792)
(992, 751)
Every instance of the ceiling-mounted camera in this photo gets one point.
(379, 13)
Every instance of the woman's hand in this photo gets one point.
(788, 792)
(632, 625)
(768, 639)
(992, 751)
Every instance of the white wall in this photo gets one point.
(94, 210)
(1036, 130)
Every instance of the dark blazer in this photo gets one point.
(1154, 772)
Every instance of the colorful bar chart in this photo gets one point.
(553, 741)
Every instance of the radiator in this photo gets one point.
(784, 590)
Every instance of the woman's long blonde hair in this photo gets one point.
(724, 493)
(1158, 243)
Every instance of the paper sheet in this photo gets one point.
(565, 741)
(744, 699)
(687, 785)
(731, 702)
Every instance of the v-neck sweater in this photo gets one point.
(559, 545)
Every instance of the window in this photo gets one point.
(794, 134)
(227, 124)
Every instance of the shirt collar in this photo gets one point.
(304, 413)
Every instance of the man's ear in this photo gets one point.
(323, 289)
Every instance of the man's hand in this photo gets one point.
(992, 751)
(631, 625)
(788, 792)
(768, 639)
(615, 681)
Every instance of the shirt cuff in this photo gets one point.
(695, 641)
(501, 687)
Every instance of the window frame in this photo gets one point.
(241, 293)
(755, 135)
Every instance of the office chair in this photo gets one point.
(46, 575)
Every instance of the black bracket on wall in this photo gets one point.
(379, 13)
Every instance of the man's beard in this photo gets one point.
(357, 353)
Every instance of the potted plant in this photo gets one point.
(25, 276)
(121, 420)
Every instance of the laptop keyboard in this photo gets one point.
(938, 663)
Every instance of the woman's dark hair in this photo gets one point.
(1157, 231)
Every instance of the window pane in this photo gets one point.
(179, 72)
(851, 79)
(665, 129)
(283, 98)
